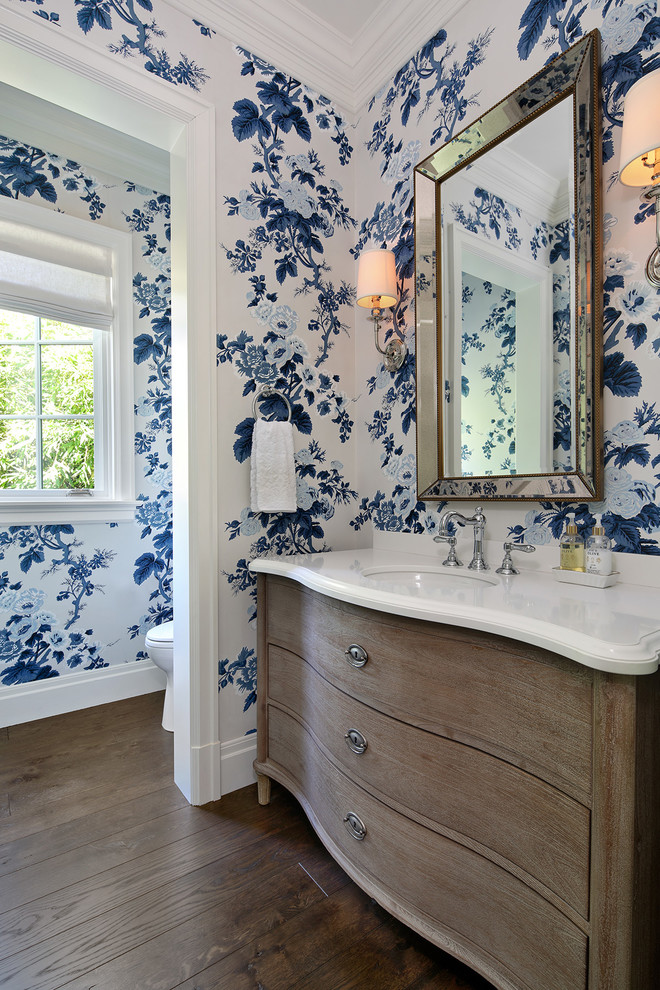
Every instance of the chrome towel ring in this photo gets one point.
(265, 393)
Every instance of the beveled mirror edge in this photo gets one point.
(574, 486)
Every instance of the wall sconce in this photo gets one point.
(640, 152)
(377, 290)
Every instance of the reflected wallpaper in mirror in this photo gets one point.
(508, 374)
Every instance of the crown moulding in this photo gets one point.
(348, 71)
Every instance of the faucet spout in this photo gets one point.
(478, 521)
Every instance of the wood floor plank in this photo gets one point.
(20, 769)
(119, 814)
(118, 753)
(44, 803)
(388, 957)
(279, 958)
(240, 892)
(158, 870)
(90, 860)
(184, 957)
(88, 724)
(38, 847)
(113, 882)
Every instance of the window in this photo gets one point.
(66, 372)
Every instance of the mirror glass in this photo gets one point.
(507, 282)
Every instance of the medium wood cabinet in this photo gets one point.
(496, 797)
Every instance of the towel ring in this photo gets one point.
(265, 393)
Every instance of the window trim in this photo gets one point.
(115, 501)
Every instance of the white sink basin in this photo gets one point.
(427, 580)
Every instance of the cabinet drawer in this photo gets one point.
(528, 822)
(466, 898)
(522, 704)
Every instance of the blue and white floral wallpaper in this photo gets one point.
(301, 191)
(63, 586)
(488, 380)
(484, 53)
(288, 229)
(489, 346)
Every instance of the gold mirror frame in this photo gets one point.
(575, 75)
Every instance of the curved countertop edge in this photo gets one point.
(635, 658)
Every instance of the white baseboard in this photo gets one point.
(223, 767)
(71, 692)
(237, 756)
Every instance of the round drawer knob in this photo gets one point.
(355, 826)
(355, 741)
(356, 656)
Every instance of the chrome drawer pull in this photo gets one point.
(355, 741)
(355, 826)
(356, 656)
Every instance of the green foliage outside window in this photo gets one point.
(46, 372)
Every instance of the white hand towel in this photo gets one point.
(272, 471)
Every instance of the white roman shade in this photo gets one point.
(50, 273)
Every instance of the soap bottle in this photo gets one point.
(598, 552)
(571, 549)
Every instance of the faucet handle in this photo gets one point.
(452, 560)
(507, 564)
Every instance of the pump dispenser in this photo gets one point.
(571, 549)
(598, 554)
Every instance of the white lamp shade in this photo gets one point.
(376, 277)
(641, 130)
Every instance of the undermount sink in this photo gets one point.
(427, 580)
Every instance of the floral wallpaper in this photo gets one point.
(301, 191)
(488, 386)
(482, 56)
(489, 318)
(63, 585)
(285, 217)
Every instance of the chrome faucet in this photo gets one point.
(478, 520)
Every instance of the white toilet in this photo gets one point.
(159, 642)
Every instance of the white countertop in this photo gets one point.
(615, 629)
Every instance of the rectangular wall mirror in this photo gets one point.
(508, 292)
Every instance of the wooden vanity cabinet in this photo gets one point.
(499, 799)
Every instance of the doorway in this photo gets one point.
(112, 93)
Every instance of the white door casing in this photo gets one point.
(107, 90)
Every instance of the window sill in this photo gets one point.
(66, 510)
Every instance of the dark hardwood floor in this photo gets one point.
(109, 880)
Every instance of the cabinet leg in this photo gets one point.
(263, 788)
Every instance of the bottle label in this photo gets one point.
(599, 561)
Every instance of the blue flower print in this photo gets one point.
(535, 532)
(246, 208)
(629, 35)
(296, 198)
(242, 673)
(98, 13)
(26, 671)
(283, 320)
(624, 496)
(150, 515)
(46, 635)
(638, 302)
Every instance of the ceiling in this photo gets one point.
(344, 49)
(345, 16)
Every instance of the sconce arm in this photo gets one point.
(394, 353)
(653, 263)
